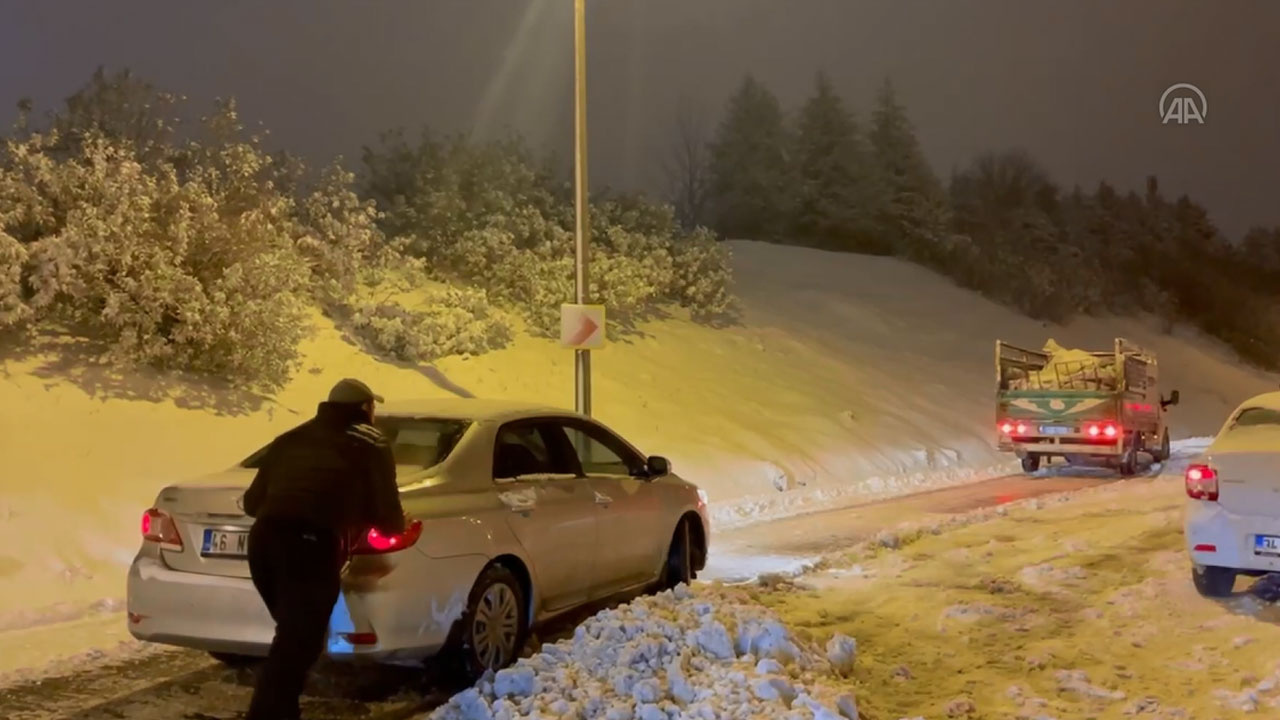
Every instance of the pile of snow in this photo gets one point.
(706, 653)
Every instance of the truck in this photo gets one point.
(1085, 406)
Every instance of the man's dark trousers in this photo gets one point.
(297, 571)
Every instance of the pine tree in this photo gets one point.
(749, 166)
(833, 175)
(913, 214)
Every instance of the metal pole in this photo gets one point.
(582, 358)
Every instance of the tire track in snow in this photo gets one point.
(188, 684)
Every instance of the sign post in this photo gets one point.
(582, 355)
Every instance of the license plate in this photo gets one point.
(1054, 430)
(1266, 545)
(225, 543)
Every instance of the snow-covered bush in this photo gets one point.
(450, 322)
(13, 256)
(201, 254)
(484, 215)
(340, 237)
(152, 260)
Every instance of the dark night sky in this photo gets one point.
(1076, 82)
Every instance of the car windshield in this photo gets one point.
(416, 443)
(1256, 417)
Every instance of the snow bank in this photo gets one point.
(706, 653)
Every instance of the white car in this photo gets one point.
(1233, 507)
(519, 514)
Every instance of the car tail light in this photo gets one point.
(1202, 483)
(360, 638)
(158, 527)
(376, 543)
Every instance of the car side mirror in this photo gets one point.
(658, 466)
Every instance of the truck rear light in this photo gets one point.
(1015, 428)
(376, 543)
(1108, 430)
(1202, 483)
(158, 527)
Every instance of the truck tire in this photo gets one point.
(1165, 451)
(1031, 463)
(1129, 460)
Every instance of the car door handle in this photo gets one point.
(602, 499)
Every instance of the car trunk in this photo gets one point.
(214, 528)
(1247, 461)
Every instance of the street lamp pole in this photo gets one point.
(582, 358)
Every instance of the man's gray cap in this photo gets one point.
(353, 392)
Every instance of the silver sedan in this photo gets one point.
(520, 513)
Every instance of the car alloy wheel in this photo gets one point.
(495, 627)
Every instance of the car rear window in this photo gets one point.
(416, 443)
(1257, 417)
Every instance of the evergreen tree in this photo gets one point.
(749, 166)
(913, 214)
(833, 175)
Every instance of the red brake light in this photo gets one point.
(1202, 483)
(158, 527)
(375, 543)
(361, 638)
(1108, 430)
(1007, 428)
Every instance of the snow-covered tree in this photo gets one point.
(835, 192)
(750, 172)
(913, 212)
(686, 166)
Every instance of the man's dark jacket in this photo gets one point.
(333, 472)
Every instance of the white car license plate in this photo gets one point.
(225, 543)
(1054, 429)
(1266, 545)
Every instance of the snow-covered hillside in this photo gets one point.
(850, 377)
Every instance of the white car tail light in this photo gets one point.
(1202, 483)
(375, 543)
(158, 527)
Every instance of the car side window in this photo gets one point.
(601, 453)
(531, 449)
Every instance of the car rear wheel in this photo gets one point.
(495, 624)
(1213, 582)
(679, 566)
(1031, 463)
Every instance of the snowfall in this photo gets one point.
(849, 379)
